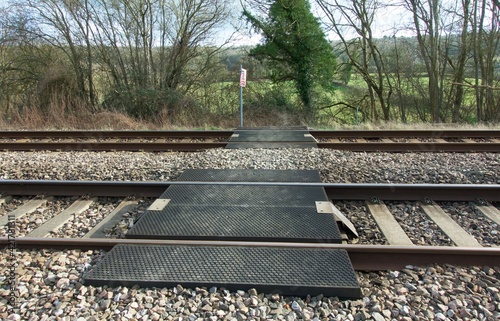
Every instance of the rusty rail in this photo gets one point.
(406, 133)
(117, 134)
(110, 146)
(336, 191)
(363, 257)
(414, 147)
(143, 134)
(96, 140)
(194, 147)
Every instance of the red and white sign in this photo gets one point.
(243, 78)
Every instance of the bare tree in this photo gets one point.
(156, 39)
(459, 67)
(80, 15)
(486, 40)
(426, 16)
(60, 24)
(23, 58)
(124, 40)
(143, 46)
(193, 24)
(344, 17)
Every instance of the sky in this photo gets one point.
(384, 25)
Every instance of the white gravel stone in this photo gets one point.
(334, 166)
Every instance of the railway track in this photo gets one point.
(63, 227)
(46, 211)
(157, 141)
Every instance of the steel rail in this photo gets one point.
(198, 146)
(138, 134)
(92, 142)
(414, 147)
(436, 134)
(363, 257)
(108, 134)
(110, 146)
(335, 191)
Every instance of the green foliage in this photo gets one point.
(274, 97)
(345, 73)
(295, 47)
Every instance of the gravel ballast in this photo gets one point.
(49, 285)
(50, 288)
(334, 166)
(417, 225)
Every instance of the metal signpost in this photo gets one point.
(243, 83)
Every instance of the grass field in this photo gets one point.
(216, 106)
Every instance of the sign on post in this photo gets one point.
(243, 83)
(243, 78)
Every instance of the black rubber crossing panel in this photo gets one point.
(250, 175)
(244, 195)
(271, 139)
(287, 271)
(274, 128)
(271, 136)
(239, 212)
(275, 224)
(270, 145)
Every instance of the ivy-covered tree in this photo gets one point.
(295, 47)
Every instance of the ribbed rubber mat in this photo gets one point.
(244, 195)
(264, 224)
(274, 128)
(249, 175)
(271, 136)
(270, 145)
(271, 139)
(270, 270)
(240, 212)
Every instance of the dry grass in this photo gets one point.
(417, 126)
(414, 126)
(65, 114)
